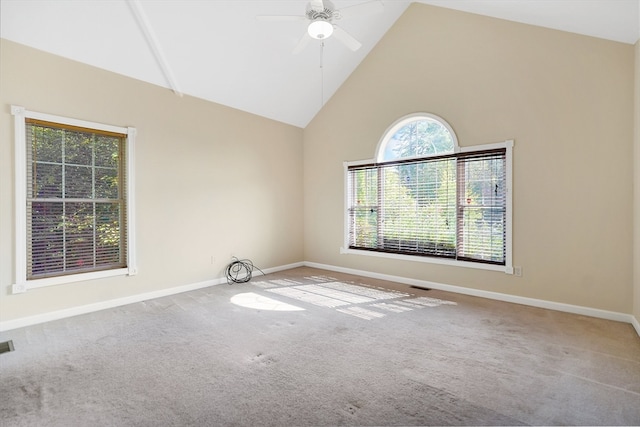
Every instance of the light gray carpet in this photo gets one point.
(352, 354)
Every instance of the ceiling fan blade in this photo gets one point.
(317, 5)
(304, 41)
(347, 39)
(374, 6)
(280, 18)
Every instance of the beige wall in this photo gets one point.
(566, 100)
(636, 197)
(211, 180)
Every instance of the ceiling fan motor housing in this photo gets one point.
(326, 14)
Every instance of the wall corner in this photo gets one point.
(636, 189)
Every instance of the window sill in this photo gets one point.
(507, 269)
(19, 288)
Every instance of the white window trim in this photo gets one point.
(507, 268)
(21, 283)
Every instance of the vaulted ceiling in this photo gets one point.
(219, 51)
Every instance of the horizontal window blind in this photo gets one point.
(449, 206)
(76, 208)
(482, 207)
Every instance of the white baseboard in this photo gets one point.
(636, 324)
(90, 308)
(568, 308)
(280, 268)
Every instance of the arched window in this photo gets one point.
(425, 196)
(417, 135)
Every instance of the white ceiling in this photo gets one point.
(217, 50)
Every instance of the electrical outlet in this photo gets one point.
(213, 259)
(517, 271)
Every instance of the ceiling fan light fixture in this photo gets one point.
(320, 29)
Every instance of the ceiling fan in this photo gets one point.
(321, 16)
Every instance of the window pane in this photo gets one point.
(482, 234)
(47, 143)
(78, 148)
(363, 212)
(107, 153)
(79, 240)
(45, 222)
(78, 182)
(106, 183)
(482, 208)
(365, 228)
(47, 180)
(419, 138)
(418, 204)
(108, 248)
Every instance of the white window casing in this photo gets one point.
(507, 146)
(22, 284)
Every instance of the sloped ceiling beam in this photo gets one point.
(150, 36)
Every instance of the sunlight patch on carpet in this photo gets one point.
(375, 294)
(337, 294)
(320, 279)
(259, 302)
(430, 302)
(364, 302)
(394, 308)
(310, 297)
(361, 312)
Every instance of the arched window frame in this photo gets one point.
(506, 146)
(402, 122)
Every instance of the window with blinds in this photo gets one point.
(75, 200)
(450, 206)
(481, 207)
(424, 196)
